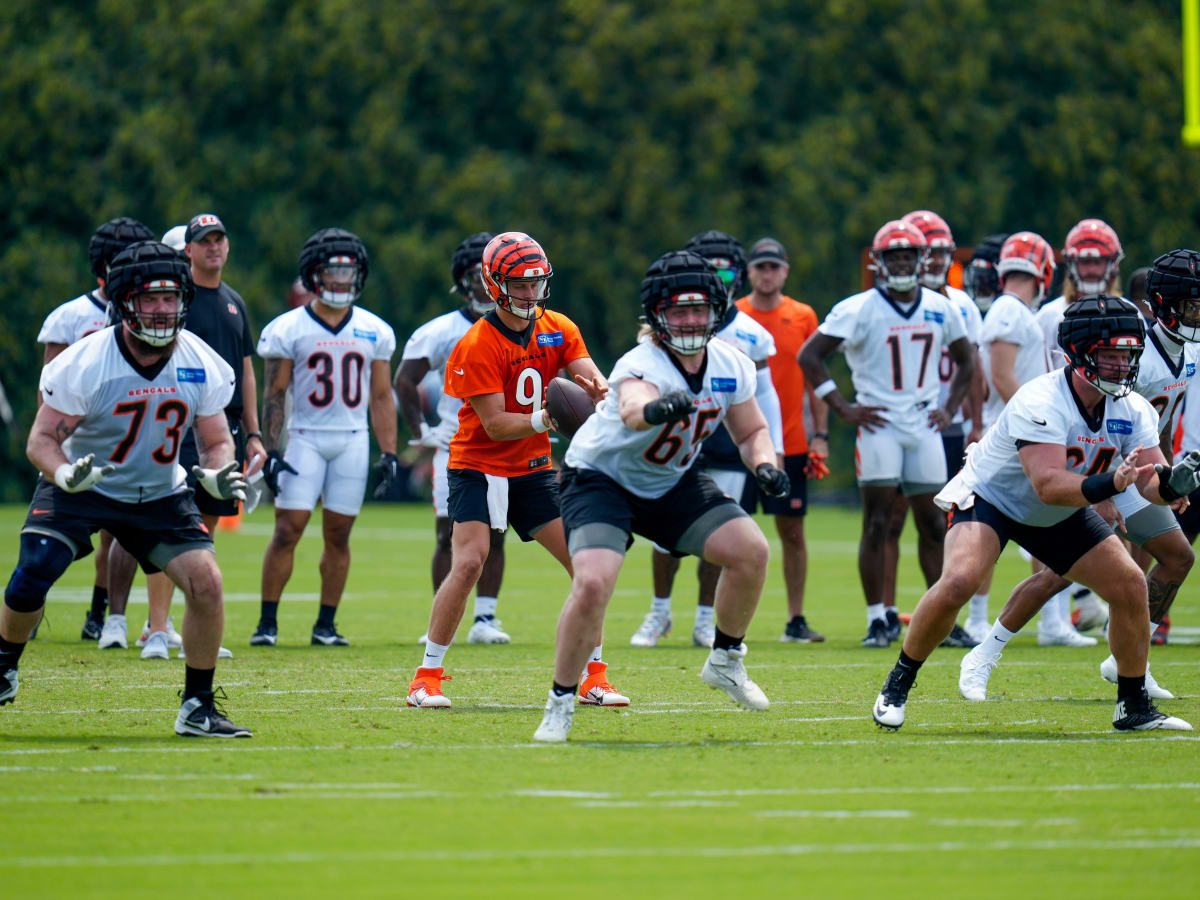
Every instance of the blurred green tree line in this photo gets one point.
(610, 131)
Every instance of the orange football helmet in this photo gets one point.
(1093, 239)
(512, 261)
(898, 235)
(1029, 253)
(941, 246)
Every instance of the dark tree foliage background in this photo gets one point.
(610, 131)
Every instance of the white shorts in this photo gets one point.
(331, 466)
(441, 483)
(911, 458)
(1144, 520)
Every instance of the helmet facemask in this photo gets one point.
(1097, 283)
(1181, 319)
(937, 267)
(680, 328)
(909, 261)
(1112, 365)
(338, 281)
(525, 296)
(151, 316)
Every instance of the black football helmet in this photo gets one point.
(340, 256)
(1102, 322)
(1173, 292)
(111, 238)
(683, 278)
(465, 267)
(980, 278)
(149, 267)
(726, 254)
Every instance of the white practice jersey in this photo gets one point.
(331, 367)
(649, 463)
(1048, 317)
(973, 322)
(75, 319)
(1045, 411)
(894, 354)
(135, 418)
(749, 336)
(433, 341)
(1011, 321)
(1161, 381)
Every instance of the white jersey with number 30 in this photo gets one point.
(331, 366)
(893, 352)
(135, 418)
(649, 463)
(1045, 411)
(1162, 382)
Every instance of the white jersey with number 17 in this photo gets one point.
(331, 365)
(894, 352)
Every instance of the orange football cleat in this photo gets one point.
(425, 691)
(596, 691)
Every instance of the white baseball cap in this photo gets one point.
(174, 237)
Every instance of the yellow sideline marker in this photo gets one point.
(1191, 73)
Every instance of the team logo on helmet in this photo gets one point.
(1093, 239)
(139, 273)
(940, 241)
(334, 266)
(683, 301)
(1029, 253)
(516, 274)
(900, 273)
(1173, 292)
(1103, 338)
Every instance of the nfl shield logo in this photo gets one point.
(232, 310)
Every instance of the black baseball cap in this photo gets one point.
(767, 250)
(202, 224)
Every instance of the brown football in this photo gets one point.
(569, 405)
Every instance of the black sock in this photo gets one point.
(908, 665)
(325, 615)
(723, 641)
(1130, 688)
(10, 654)
(99, 601)
(197, 682)
(269, 611)
(561, 690)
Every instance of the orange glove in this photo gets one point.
(816, 468)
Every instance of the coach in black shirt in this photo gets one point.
(218, 317)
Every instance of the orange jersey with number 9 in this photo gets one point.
(492, 359)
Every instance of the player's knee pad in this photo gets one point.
(42, 561)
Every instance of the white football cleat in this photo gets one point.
(1068, 637)
(485, 631)
(1108, 671)
(653, 627)
(977, 629)
(174, 641)
(1091, 612)
(155, 646)
(703, 634)
(114, 633)
(222, 653)
(1144, 716)
(557, 719)
(973, 674)
(725, 670)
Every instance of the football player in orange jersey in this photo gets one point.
(499, 470)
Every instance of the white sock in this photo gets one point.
(597, 654)
(434, 653)
(485, 606)
(1050, 618)
(661, 605)
(704, 615)
(875, 611)
(993, 645)
(977, 612)
(1064, 608)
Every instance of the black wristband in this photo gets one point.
(253, 434)
(821, 435)
(1168, 493)
(1099, 487)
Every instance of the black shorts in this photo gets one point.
(954, 446)
(532, 499)
(795, 503)
(189, 456)
(1059, 546)
(592, 498)
(154, 531)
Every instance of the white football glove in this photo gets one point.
(225, 483)
(427, 438)
(80, 475)
(1181, 479)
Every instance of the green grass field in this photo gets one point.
(343, 790)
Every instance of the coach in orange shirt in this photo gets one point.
(790, 323)
(499, 471)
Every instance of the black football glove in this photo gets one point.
(1180, 480)
(389, 474)
(773, 481)
(274, 467)
(675, 406)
